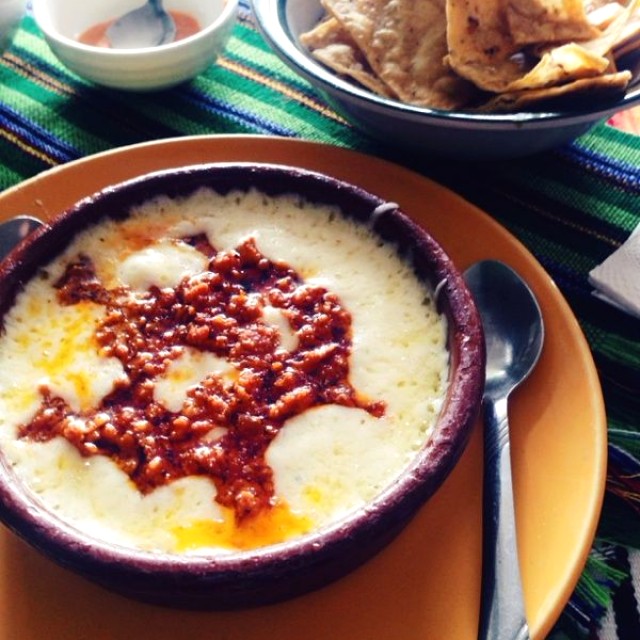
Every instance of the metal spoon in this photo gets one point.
(14, 230)
(514, 334)
(147, 26)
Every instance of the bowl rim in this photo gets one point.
(228, 12)
(26, 516)
(272, 21)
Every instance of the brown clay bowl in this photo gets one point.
(288, 569)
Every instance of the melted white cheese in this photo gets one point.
(277, 319)
(163, 264)
(326, 461)
(332, 459)
(187, 371)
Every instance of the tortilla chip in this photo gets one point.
(629, 42)
(480, 46)
(622, 35)
(449, 54)
(613, 66)
(623, 25)
(329, 43)
(599, 88)
(602, 15)
(534, 21)
(594, 5)
(405, 43)
(563, 64)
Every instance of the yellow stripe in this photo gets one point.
(27, 70)
(560, 220)
(286, 90)
(33, 151)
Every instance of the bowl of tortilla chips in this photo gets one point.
(461, 78)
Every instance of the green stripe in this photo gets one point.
(532, 215)
(625, 439)
(612, 345)
(554, 249)
(30, 38)
(243, 93)
(610, 142)
(81, 126)
(570, 188)
(182, 116)
(249, 46)
(15, 166)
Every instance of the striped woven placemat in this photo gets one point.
(571, 207)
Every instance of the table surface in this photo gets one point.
(570, 207)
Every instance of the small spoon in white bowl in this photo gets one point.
(514, 334)
(147, 26)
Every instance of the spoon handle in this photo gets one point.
(502, 615)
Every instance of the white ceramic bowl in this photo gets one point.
(146, 69)
(456, 134)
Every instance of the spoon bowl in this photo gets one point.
(147, 26)
(511, 317)
(514, 335)
(14, 231)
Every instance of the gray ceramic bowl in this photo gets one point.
(454, 134)
(284, 570)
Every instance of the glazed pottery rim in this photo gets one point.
(26, 515)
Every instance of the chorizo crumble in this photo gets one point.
(219, 311)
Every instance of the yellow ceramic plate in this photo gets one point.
(426, 585)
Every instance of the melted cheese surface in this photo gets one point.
(327, 461)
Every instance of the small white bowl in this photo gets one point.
(145, 69)
(456, 134)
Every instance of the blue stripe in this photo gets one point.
(621, 173)
(36, 136)
(227, 110)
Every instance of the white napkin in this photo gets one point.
(617, 279)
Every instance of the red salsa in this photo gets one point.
(217, 311)
(96, 36)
